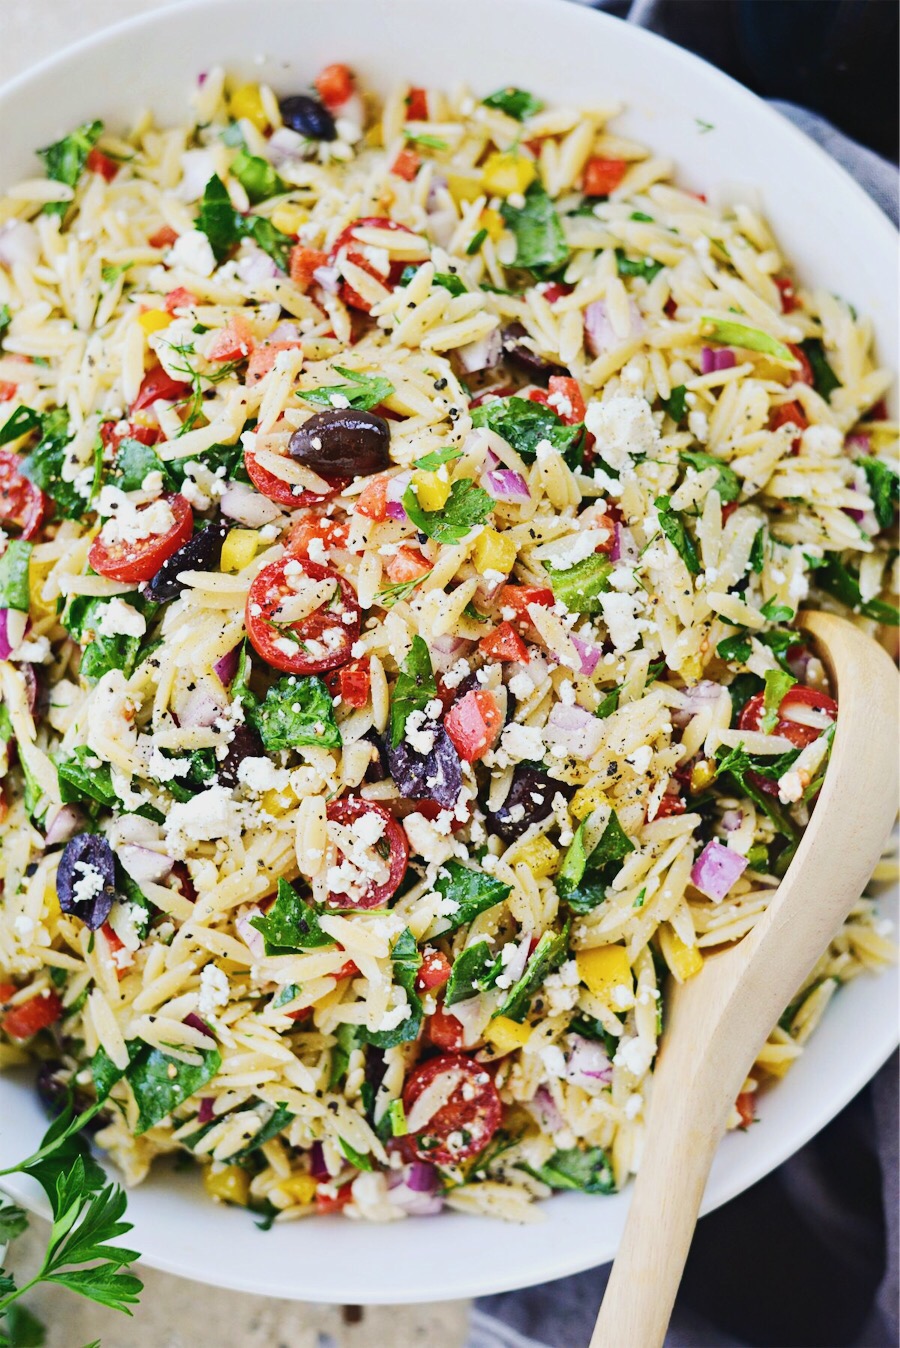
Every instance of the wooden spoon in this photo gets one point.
(719, 1020)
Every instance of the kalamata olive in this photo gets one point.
(342, 443)
(516, 352)
(53, 1085)
(245, 743)
(378, 768)
(436, 775)
(307, 117)
(86, 879)
(202, 552)
(530, 799)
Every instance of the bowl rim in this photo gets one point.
(873, 1052)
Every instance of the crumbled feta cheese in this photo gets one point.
(213, 989)
(554, 1060)
(633, 1106)
(210, 814)
(129, 524)
(193, 251)
(427, 840)
(790, 788)
(623, 426)
(520, 686)
(260, 774)
(419, 736)
(634, 1054)
(620, 614)
(119, 619)
(24, 928)
(88, 885)
(641, 758)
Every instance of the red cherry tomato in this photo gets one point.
(158, 384)
(805, 373)
(504, 643)
(473, 724)
(670, 805)
(164, 237)
(7, 390)
(142, 559)
(518, 598)
(114, 945)
(112, 433)
(501, 391)
(466, 1123)
(392, 848)
(351, 683)
(554, 290)
(303, 263)
(36, 1014)
(335, 85)
(233, 342)
(21, 502)
(566, 399)
(348, 242)
(98, 162)
(799, 696)
(407, 164)
(285, 493)
(434, 970)
(444, 1030)
(311, 526)
(789, 301)
(602, 176)
(314, 644)
(328, 1203)
(262, 359)
(405, 565)
(745, 1105)
(179, 298)
(372, 500)
(417, 106)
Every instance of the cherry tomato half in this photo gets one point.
(159, 384)
(351, 683)
(466, 1123)
(319, 642)
(140, 560)
(347, 242)
(504, 643)
(434, 970)
(392, 848)
(444, 1030)
(799, 696)
(22, 1021)
(602, 176)
(21, 502)
(474, 724)
(285, 493)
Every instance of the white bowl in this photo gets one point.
(830, 231)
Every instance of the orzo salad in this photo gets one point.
(406, 510)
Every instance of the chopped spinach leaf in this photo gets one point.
(728, 484)
(65, 160)
(225, 227)
(277, 1121)
(758, 550)
(473, 971)
(749, 339)
(609, 703)
(825, 381)
(547, 955)
(84, 778)
(775, 612)
(884, 489)
(355, 1157)
(437, 458)
(676, 403)
(414, 689)
(449, 280)
(471, 891)
(465, 507)
(517, 103)
(837, 579)
(672, 524)
(475, 242)
(540, 243)
(295, 711)
(777, 685)
(524, 424)
(347, 1039)
(134, 462)
(406, 960)
(588, 1170)
(15, 565)
(645, 267)
(44, 464)
(362, 391)
(160, 1083)
(290, 924)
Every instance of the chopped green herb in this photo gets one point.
(362, 391)
(66, 158)
(778, 684)
(524, 424)
(414, 689)
(295, 711)
(540, 243)
(112, 272)
(836, 578)
(426, 141)
(467, 506)
(672, 524)
(676, 403)
(474, 244)
(517, 103)
(470, 891)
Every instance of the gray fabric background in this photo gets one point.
(807, 1258)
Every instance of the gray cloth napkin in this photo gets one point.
(807, 1258)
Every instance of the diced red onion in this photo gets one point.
(543, 1107)
(196, 1023)
(484, 354)
(67, 821)
(285, 144)
(732, 819)
(142, 863)
(31, 684)
(860, 441)
(245, 504)
(504, 484)
(197, 167)
(587, 654)
(615, 551)
(446, 650)
(329, 278)
(712, 359)
(255, 266)
(284, 332)
(205, 1112)
(716, 869)
(13, 626)
(317, 1167)
(200, 708)
(575, 729)
(600, 334)
(253, 939)
(588, 1063)
(226, 667)
(699, 695)
(415, 1204)
(19, 243)
(396, 489)
(422, 1177)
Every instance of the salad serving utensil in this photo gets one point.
(718, 1021)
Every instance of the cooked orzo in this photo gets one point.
(406, 512)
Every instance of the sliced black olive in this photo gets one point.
(86, 879)
(343, 443)
(436, 775)
(378, 768)
(203, 552)
(245, 743)
(517, 352)
(530, 800)
(307, 117)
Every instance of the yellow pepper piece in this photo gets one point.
(605, 970)
(494, 552)
(278, 802)
(239, 549)
(300, 1188)
(702, 774)
(540, 856)
(154, 320)
(231, 1184)
(39, 607)
(684, 960)
(586, 799)
(432, 491)
(51, 904)
(246, 101)
(776, 1058)
(507, 1035)
(492, 221)
(289, 217)
(506, 173)
(464, 185)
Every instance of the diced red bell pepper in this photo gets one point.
(670, 805)
(7, 990)
(789, 301)
(804, 374)
(444, 1030)
(334, 85)
(37, 1013)
(566, 399)
(7, 390)
(350, 683)
(407, 164)
(372, 500)
(433, 971)
(303, 262)
(518, 598)
(407, 564)
(473, 724)
(159, 384)
(98, 162)
(554, 290)
(793, 413)
(504, 643)
(602, 176)
(745, 1105)
(164, 237)
(326, 1204)
(179, 298)
(417, 105)
(233, 342)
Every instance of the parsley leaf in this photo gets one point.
(414, 689)
(465, 507)
(514, 102)
(225, 227)
(160, 1083)
(579, 587)
(540, 243)
(523, 424)
(884, 488)
(65, 160)
(290, 924)
(672, 525)
(728, 484)
(471, 891)
(588, 1170)
(295, 711)
(547, 955)
(363, 391)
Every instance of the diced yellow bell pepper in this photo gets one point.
(605, 969)
(540, 856)
(585, 800)
(38, 606)
(492, 221)
(507, 1035)
(239, 549)
(702, 774)
(278, 802)
(431, 490)
(246, 101)
(494, 552)
(289, 217)
(464, 185)
(143, 419)
(51, 904)
(299, 1188)
(506, 173)
(231, 1184)
(154, 320)
(776, 1058)
(684, 960)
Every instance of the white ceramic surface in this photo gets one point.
(832, 233)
